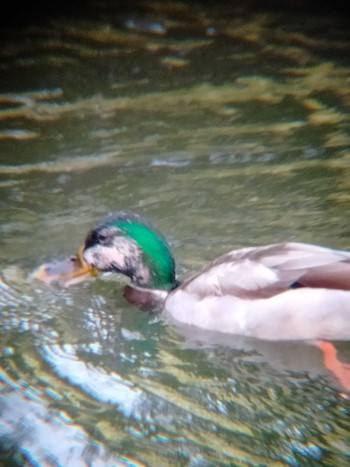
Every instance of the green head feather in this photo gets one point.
(156, 251)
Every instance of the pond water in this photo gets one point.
(226, 126)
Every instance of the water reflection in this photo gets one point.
(100, 385)
(226, 127)
(39, 435)
(142, 388)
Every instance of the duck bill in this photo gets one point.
(67, 271)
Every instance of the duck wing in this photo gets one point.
(265, 271)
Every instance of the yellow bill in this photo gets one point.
(67, 271)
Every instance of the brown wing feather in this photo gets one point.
(266, 271)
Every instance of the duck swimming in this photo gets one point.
(283, 291)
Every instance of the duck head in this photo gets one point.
(126, 243)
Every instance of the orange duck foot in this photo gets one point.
(339, 369)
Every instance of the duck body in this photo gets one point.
(291, 315)
(285, 291)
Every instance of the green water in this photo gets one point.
(226, 127)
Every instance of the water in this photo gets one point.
(226, 127)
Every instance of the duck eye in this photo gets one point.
(102, 237)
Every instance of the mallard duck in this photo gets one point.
(284, 291)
